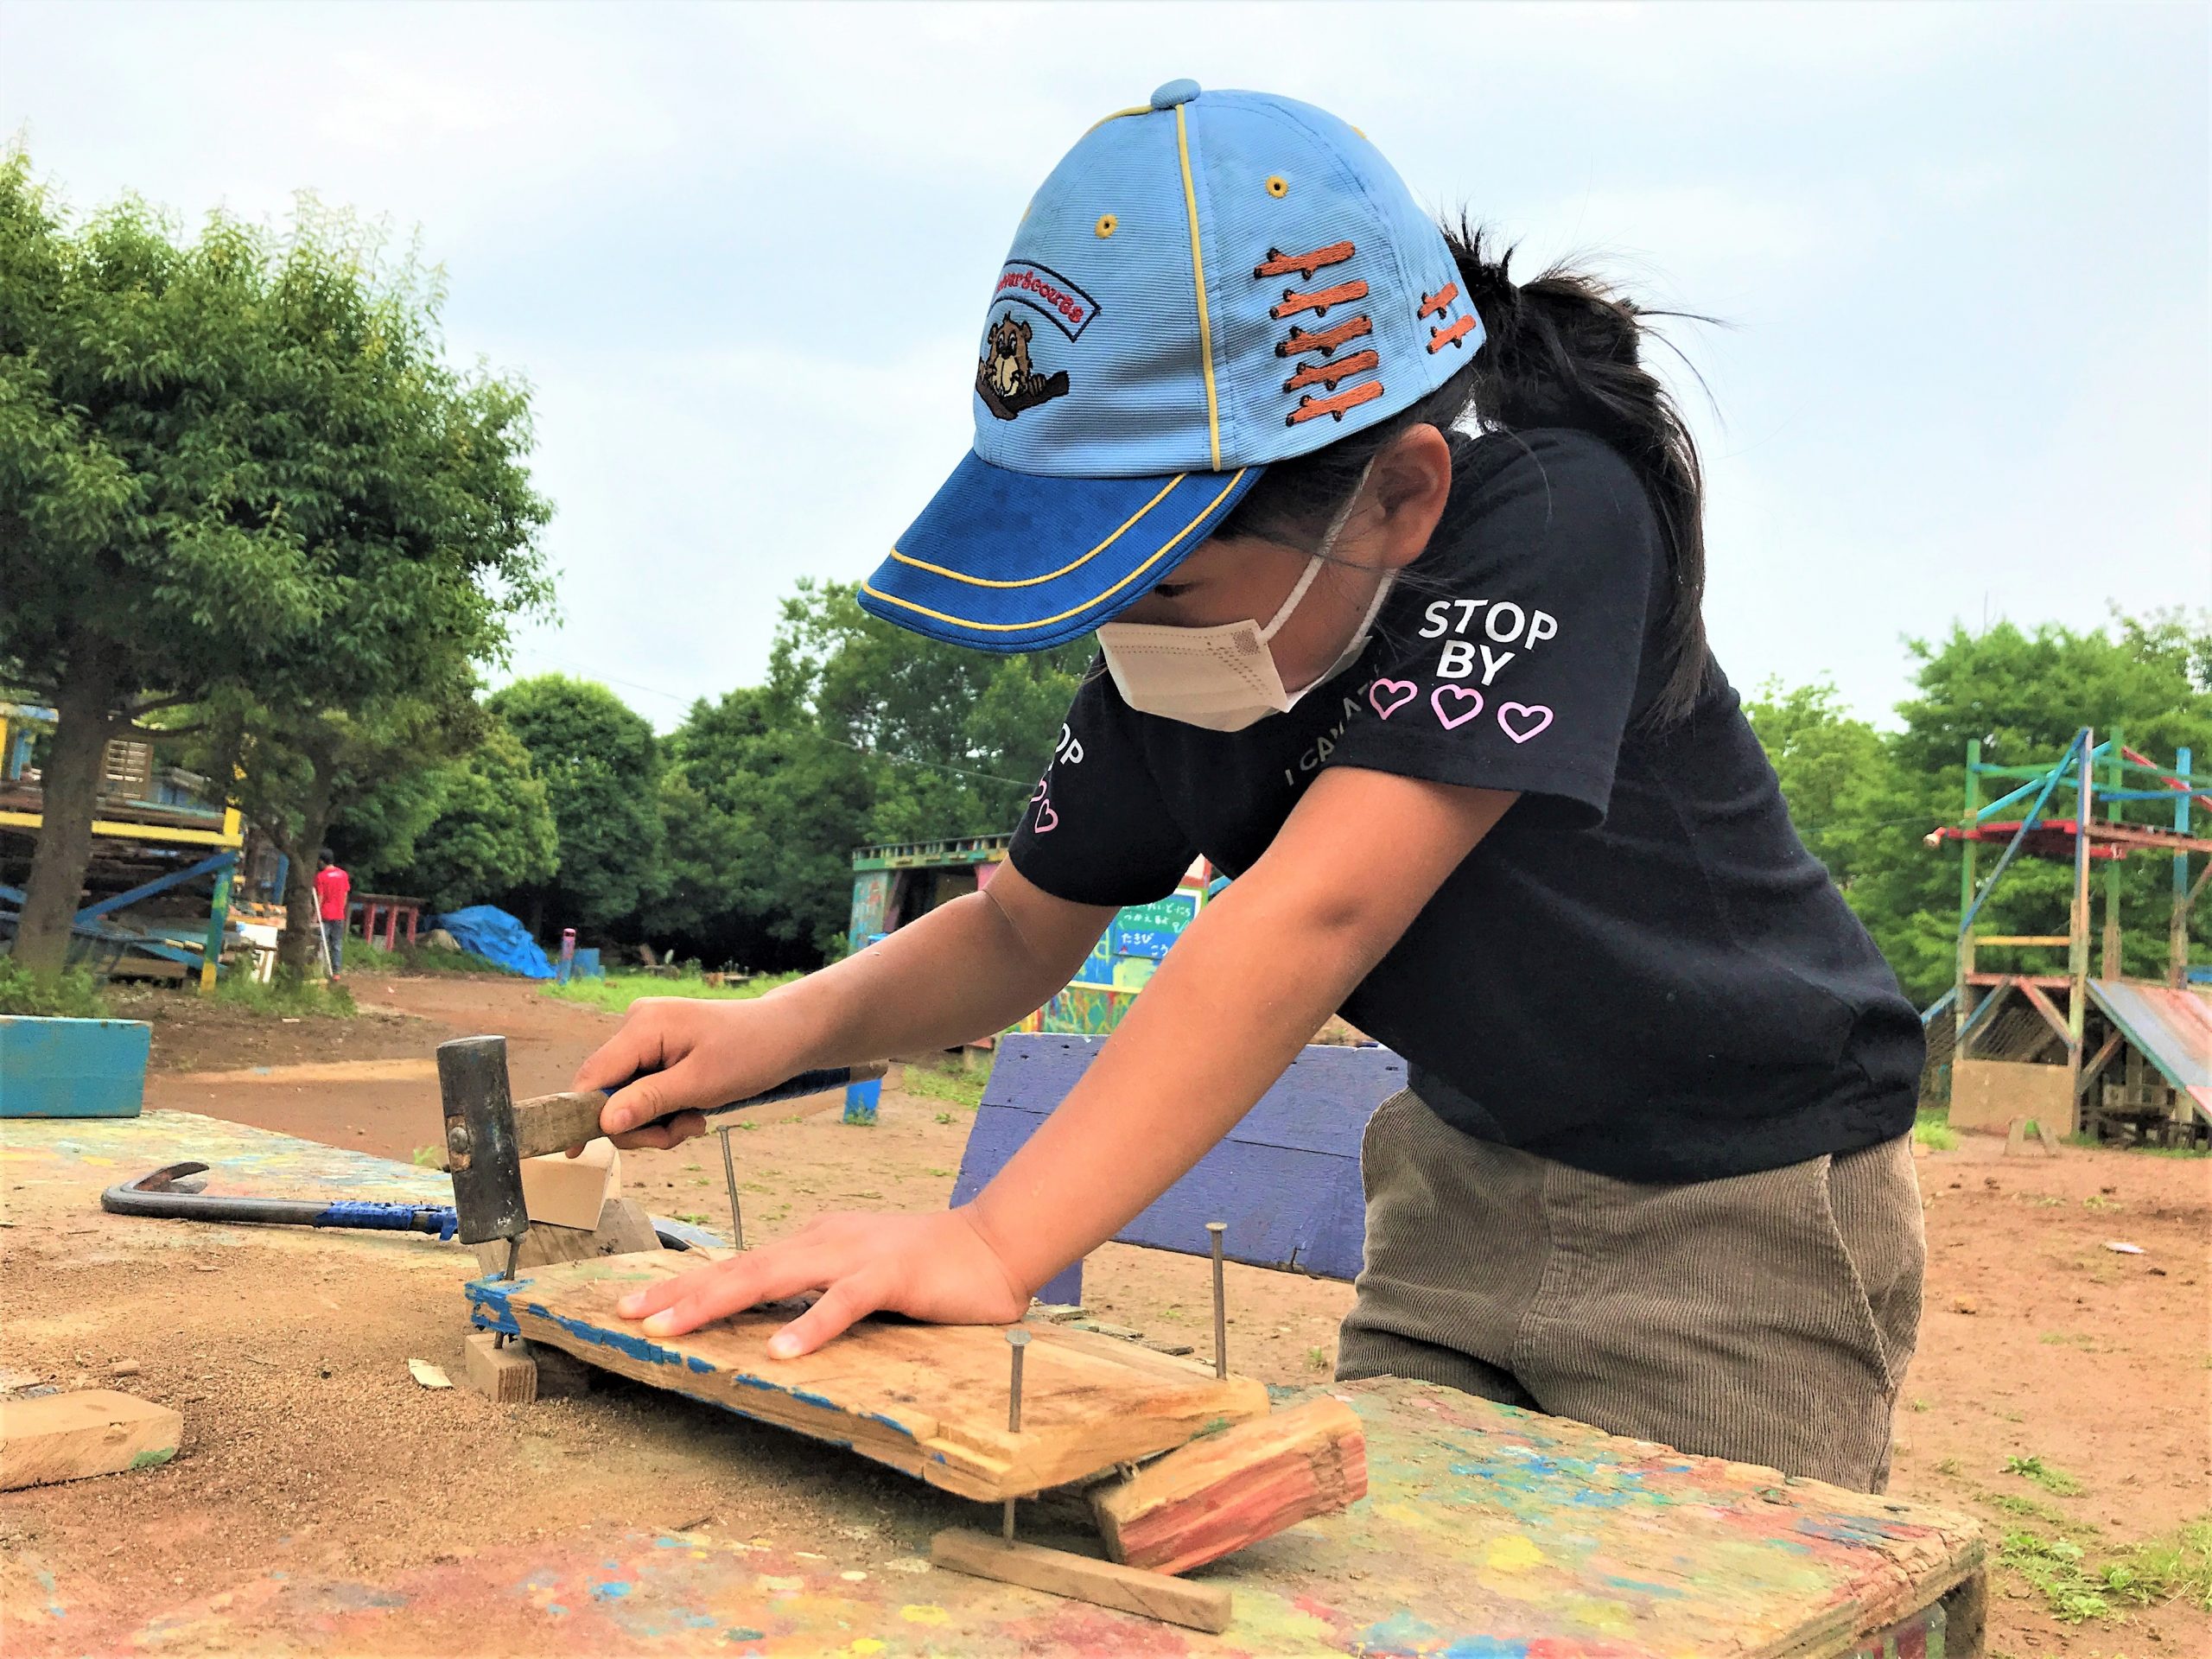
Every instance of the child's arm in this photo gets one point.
(967, 969)
(1246, 987)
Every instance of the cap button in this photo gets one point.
(1174, 93)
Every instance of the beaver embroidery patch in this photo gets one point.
(1006, 381)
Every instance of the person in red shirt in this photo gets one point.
(332, 887)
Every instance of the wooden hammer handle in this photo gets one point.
(556, 1122)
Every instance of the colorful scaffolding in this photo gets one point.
(2109, 788)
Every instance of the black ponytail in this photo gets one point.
(1559, 350)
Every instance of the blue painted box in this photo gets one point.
(72, 1068)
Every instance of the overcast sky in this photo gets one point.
(742, 253)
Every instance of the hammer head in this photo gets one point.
(480, 1150)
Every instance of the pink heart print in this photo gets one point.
(1406, 689)
(1472, 699)
(1536, 716)
(1047, 820)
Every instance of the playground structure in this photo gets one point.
(152, 840)
(894, 885)
(2004, 1027)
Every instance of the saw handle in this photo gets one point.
(556, 1122)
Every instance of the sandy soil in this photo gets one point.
(306, 1442)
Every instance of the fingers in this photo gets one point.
(730, 1287)
(657, 1096)
(641, 1044)
(662, 1137)
(849, 1300)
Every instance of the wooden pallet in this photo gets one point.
(929, 1400)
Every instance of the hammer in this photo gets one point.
(489, 1132)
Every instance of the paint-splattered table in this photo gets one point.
(1488, 1534)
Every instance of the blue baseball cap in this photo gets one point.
(1207, 283)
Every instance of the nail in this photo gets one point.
(782, 1345)
(628, 1307)
(661, 1325)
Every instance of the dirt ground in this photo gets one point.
(305, 1441)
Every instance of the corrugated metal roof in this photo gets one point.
(2172, 1028)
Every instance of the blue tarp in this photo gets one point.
(490, 932)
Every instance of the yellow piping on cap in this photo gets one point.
(1199, 275)
(1031, 582)
(1204, 512)
(1142, 109)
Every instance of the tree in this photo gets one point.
(601, 766)
(1833, 769)
(237, 473)
(459, 833)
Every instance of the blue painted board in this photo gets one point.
(1286, 1178)
(72, 1068)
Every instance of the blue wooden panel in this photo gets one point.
(1286, 1178)
(72, 1068)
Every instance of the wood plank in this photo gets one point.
(506, 1376)
(624, 1227)
(1226, 1491)
(929, 1400)
(1286, 1178)
(71, 1436)
(1058, 1572)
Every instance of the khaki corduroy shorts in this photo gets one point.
(1765, 1318)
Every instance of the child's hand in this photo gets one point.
(936, 1266)
(686, 1056)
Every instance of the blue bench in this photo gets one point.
(1286, 1178)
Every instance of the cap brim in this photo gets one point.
(1005, 561)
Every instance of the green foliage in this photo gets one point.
(1933, 1130)
(600, 767)
(863, 734)
(458, 834)
(2075, 1588)
(285, 994)
(69, 995)
(615, 993)
(963, 1087)
(368, 957)
(2051, 1480)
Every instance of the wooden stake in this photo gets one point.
(70, 1436)
(506, 1376)
(1056, 1572)
(1232, 1489)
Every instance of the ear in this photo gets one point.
(1409, 486)
(1027, 333)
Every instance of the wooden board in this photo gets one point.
(1286, 1178)
(1226, 1491)
(929, 1400)
(70, 1436)
(1990, 1094)
(1206, 1607)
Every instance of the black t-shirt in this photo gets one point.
(1640, 970)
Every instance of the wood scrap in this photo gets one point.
(506, 1376)
(1206, 1607)
(624, 1227)
(1225, 1490)
(570, 1191)
(71, 1436)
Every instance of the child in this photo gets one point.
(1442, 703)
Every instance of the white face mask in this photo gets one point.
(1224, 677)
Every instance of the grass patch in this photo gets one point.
(2050, 1479)
(70, 994)
(1317, 1359)
(1932, 1129)
(285, 996)
(2077, 1588)
(615, 993)
(963, 1087)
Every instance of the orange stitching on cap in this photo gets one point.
(1309, 407)
(1323, 340)
(1327, 374)
(1320, 300)
(1433, 303)
(1440, 338)
(1280, 263)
